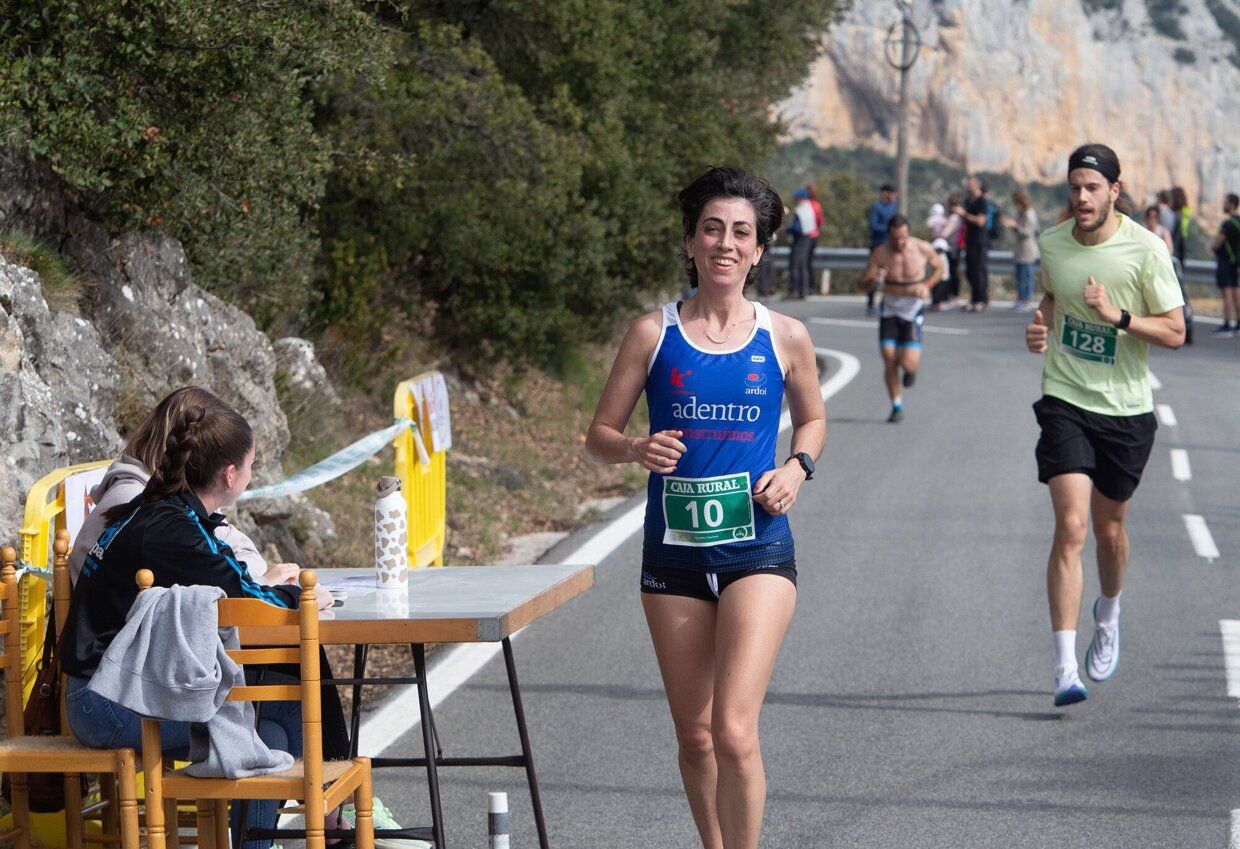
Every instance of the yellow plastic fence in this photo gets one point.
(45, 515)
(422, 466)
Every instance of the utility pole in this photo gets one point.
(901, 47)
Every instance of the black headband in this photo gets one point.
(1105, 166)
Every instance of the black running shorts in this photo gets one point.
(708, 586)
(1112, 450)
(893, 330)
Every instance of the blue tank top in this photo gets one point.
(727, 403)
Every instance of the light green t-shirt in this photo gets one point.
(1090, 363)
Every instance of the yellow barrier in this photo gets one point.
(423, 471)
(45, 514)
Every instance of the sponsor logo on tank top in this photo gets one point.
(757, 358)
(677, 377)
(693, 411)
(755, 383)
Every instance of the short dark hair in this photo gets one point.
(897, 221)
(887, 187)
(728, 181)
(1232, 199)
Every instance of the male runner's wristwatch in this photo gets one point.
(1125, 319)
(806, 463)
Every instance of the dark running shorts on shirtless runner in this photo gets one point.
(1112, 450)
(708, 586)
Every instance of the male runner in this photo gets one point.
(1110, 294)
(903, 267)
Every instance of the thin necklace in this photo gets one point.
(719, 341)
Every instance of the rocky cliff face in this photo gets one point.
(1013, 85)
(140, 328)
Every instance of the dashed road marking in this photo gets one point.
(1231, 654)
(1166, 415)
(1199, 533)
(1180, 469)
(1155, 383)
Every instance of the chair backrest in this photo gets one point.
(270, 634)
(62, 595)
(11, 662)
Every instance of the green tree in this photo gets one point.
(190, 117)
(563, 127)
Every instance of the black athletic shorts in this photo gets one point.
(893, 330)
(1226, 275)
(1112, 450)
(708, 586)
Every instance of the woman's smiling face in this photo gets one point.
(724, 245)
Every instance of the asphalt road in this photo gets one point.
(911, 702)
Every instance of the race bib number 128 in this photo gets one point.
(1087, 341)
(707, 511)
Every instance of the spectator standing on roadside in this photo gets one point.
(1153, 223)
(820, 219)
(1025, 226)
(953, 234)
(977, 213)
(804, 230)
(881, 212)
(1183, 217)
(1166, 215)
(1226, 247)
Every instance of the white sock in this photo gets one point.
(1065, 653)
(1108, 609)
(897, 401)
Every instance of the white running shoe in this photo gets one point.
(1069, 689)
(1102, 656)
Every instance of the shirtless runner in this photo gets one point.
(903, 267)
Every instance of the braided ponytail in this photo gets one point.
(203, 440)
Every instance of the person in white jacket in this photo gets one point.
(127, 477)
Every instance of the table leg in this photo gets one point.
(355, 713)
(428, 743)
(526, 751)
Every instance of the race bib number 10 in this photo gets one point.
(1087, 341)
(707, 511)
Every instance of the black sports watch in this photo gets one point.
(806, 463)
(1125, 319)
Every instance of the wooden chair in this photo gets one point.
(285, 636)
(21, 754)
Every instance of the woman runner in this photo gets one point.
(718, 576)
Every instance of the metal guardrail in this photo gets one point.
(1001, 262)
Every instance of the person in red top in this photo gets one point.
(806, 219)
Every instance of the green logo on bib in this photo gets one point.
(707, 511)
(1095, 343)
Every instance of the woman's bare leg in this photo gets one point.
(753, 616)
(683, 632)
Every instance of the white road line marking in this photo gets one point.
(1180, 469)
(873, 325)
(1166, 415)
(1155, 383)
(1234, 842)
(1231, 654)
(395, 718)
(1199, 533)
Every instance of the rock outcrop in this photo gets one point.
(71, 381)
(57, 391)
(1013, 85)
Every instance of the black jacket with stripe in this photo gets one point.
(174, 537)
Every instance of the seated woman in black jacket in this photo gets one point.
(170, 529)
